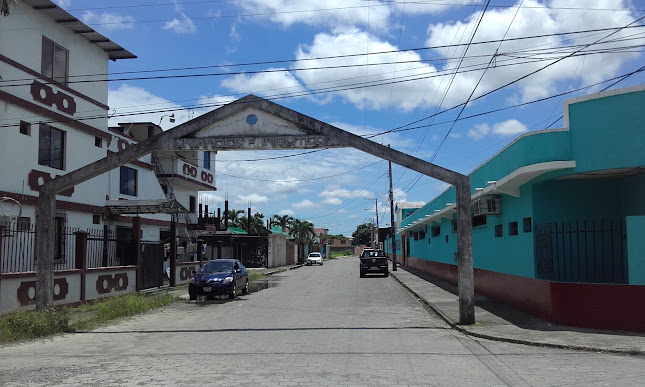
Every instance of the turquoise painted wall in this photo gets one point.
(636, 249)
(613, 127)
(608, 132)
(540, 147)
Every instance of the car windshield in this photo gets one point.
(314, 255)
(217, 267)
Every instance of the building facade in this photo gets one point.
(558, 218)
(55, 119)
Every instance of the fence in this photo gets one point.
(17, 248)
(591, 251)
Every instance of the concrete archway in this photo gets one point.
(254, 123)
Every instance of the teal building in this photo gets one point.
(558, 218)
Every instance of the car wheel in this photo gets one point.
(245, 289)
(362, 275)
(231, 295)
(387, 273)
(192, 296)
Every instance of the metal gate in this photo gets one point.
(152, 256)
(255, 251)
(591, 251)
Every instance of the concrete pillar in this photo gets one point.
(136, 241)
(106, 240)
(1, 234)
(173, 252)
(44, 241)
(200, 246)
(465, 254)
(81, 258)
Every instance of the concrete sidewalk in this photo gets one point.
(497, 321)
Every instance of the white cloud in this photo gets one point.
(286, 212)
(506, 128)
(405, 96)
(266, 83)
(131, 99)
(63, 3)
(335, 191)
(320, 12)
(184, 25)
(332, 201)
(304, 204)
(479, 131)
(108, 21)
(534, 18)
(253, 198)
(399, 195)
(509, 128)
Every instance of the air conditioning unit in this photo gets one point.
(487, 205)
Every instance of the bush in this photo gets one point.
(31, 324)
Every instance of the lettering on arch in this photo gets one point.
(253, 143)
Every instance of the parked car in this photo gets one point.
(373, 261)
(314, 258)
(219, 277)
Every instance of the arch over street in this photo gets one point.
(253, 123)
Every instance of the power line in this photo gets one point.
(274, 62)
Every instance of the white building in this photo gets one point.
(54, 119)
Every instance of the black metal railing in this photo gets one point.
(591, 251)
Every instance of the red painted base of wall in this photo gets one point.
(597, 306)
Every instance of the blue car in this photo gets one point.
(219, 277)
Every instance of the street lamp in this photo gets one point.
(172, 118)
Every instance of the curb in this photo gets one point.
(465, 331)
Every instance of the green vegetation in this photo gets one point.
(337, 254)
(363, 234)
(254, 275)
(90, 315)
(24, 325)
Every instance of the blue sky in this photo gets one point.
(317, 57)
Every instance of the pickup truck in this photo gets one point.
(373, 261)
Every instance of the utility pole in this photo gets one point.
(376, 203)
(392, 228)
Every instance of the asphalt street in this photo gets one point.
(319, 325)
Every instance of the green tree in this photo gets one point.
(257, 224)
(234, 218)
(303, 232)
(284, 221)
(363, 234)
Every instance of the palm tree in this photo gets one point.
(283, 221)
(234, 218)
(257, 224)
(303, 232)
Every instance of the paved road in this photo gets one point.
(313, 326)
